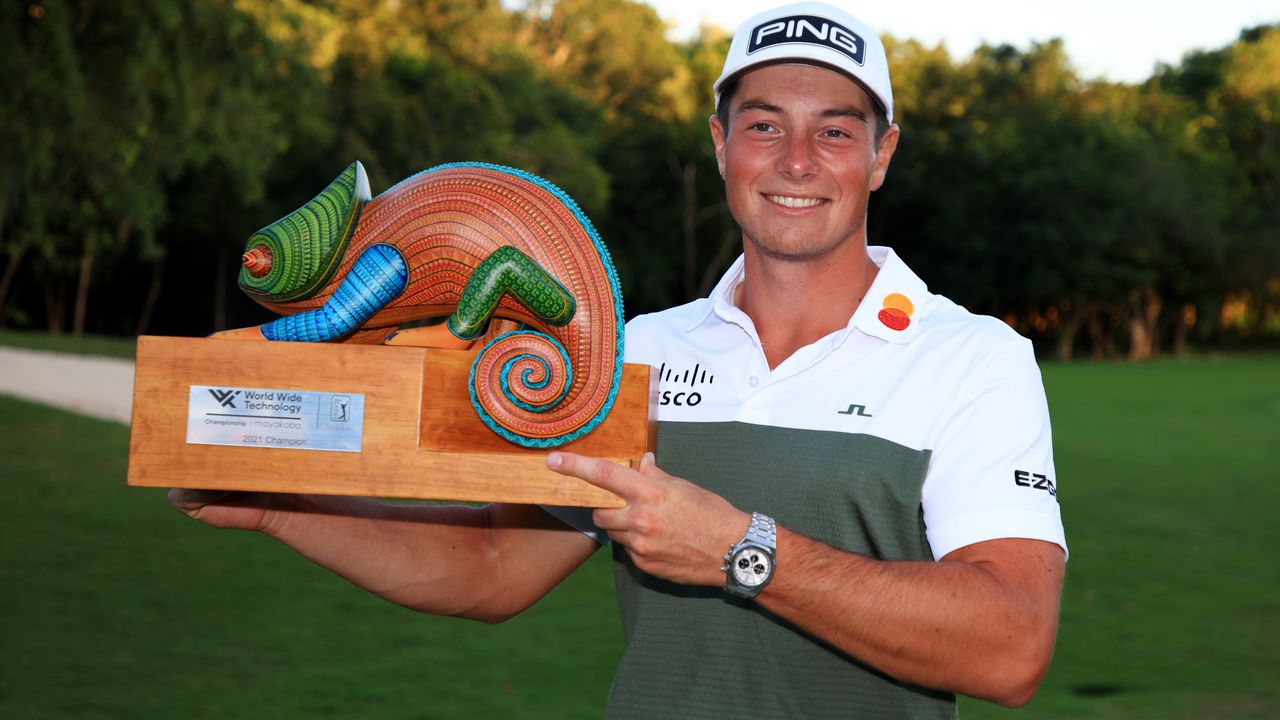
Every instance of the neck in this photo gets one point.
(795, 303)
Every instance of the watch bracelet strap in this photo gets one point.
(762, 531)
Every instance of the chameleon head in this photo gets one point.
(294, 257)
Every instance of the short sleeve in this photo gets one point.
(991, 472)
(578, 518)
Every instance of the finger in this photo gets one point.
(188, 501)
(610, 518)
(616, 479)
(648, 464)
(621, 537)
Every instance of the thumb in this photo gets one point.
(190, 501)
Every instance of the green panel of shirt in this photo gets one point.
(696, 652)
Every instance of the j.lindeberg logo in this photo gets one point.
(679, 395)
(226, 398)
(811, 30)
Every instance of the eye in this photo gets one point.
(762, 126)
(835, 134)
(258, 260)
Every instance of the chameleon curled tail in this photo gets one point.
(470, 243)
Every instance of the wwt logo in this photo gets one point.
(225, 398)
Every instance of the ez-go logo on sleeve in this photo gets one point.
(1022, 478)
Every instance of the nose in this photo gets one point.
(797, 157)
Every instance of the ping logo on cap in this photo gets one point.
(808, 29)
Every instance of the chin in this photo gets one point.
(797, 251)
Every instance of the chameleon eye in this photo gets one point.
(257, 261)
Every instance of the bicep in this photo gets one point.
(1029, 572)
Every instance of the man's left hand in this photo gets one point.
(672, 528)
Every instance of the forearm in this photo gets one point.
(438, 559)
(962, 625)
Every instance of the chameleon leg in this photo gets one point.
(507, 270)
(377, 277)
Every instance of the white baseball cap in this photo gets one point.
(812, 32)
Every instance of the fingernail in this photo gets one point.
(554, 460)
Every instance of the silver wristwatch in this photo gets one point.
(748, 566)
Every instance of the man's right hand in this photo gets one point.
(222, 509)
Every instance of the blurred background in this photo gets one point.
(143, 142)
(1128, 219)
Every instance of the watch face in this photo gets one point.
(751, 566)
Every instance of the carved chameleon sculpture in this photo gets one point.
(472, 242)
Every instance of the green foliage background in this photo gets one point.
(143, 141)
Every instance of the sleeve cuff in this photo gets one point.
(995, 524)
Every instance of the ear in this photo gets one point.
(718, 135)
(884, 153)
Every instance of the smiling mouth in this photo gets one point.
(794, 202)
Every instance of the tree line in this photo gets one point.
(143, 142)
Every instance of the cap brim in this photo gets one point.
(737, 75)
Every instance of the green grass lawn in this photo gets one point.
(114, 606)
(1169, 478)
(83, 345)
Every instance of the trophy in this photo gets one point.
(435, 342)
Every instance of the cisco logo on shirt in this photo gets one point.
(683, 386)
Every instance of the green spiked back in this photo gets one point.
(306, 245)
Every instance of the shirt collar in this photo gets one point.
(892, 307)
(720, 301)
(888, 311)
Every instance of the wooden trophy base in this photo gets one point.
(420, 437)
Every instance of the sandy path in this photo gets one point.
(93, 385)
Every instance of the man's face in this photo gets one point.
(798, 160)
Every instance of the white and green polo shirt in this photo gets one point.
(917, 429)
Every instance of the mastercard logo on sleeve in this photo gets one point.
(897, 311)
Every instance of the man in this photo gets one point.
(875, 460)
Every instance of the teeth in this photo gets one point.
(794, 202)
